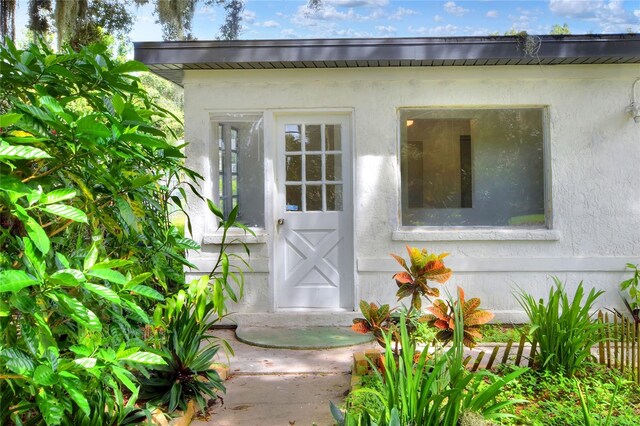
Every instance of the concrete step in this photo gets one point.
(293, 319)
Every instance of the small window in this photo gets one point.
(240, 168)
(473, 167)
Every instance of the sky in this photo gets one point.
(287, 19)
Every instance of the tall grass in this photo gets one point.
(564, 327)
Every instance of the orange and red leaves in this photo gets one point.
(360, 326)
(403, 278)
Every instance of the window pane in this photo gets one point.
(333, 167)
(332, 136)
(294, 167)
(313, 168)
(473, 167)
(241, 169)
(314, 198)
(334, 197)
(292, 137)
(314, 141)
(294, 198)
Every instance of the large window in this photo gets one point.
(473, 167)
(240, 167)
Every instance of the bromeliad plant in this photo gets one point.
(413, 282)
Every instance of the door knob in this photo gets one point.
(280, 222)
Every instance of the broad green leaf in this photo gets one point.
(51, 409)
(126, 211)
(144, 140)
(79, 312)
(91, 257)
(78, 275)
(145, 291)
(187, 243)
(23, 302)
(90, 126)
(125, 377)
(118, 103)
(5, 309)
(17, 361)
(138, 279)
(63, 279)
(215, 209)
(65, 211)
(80, 350)
(15, 280)
(44, 375)
(129, 66)
(148, 358)
(62, 260)
(37, 235)
(7, 120)
(57, 195)
(87, 362)
(108, 274)
(109, 264)
(104, 292)
(76, 395)
(20, 152)
(37, 262)
(137, 311)
(13, 185)
(51, 104)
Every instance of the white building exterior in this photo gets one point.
(521, 167)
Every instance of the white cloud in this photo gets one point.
(492, 14)
(288, 33)
(636, 13)
(248, 16)
(400, 13)
(268, 24)
(452, 8)
(443, 30)
(575, 9)
(609, 15)
(438, 18)
(386, 31)
(357, 3)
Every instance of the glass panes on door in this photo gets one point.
(313, 167)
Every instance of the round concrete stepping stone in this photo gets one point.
(301, 337)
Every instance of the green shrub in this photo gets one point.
(563, 327)
(87, 247)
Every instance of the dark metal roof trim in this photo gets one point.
(169, 59)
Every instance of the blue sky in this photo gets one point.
(264, 19)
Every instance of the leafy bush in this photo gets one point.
(632, 286)
(430, 387)
(87, 248)
(563, 327)
(413, 282)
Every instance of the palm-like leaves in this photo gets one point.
(376, 320)
(444, 318)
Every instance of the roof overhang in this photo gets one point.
(170, 59)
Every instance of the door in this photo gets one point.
(314, 248)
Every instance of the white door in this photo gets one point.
(314, 249)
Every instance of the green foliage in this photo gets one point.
(632, 286)
(87, 247)
(187, 373)
(563, 327)
(554, 400)
(430, 387)
(558, 29)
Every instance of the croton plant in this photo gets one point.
(414, 282)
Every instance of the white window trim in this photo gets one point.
(212, 234)
(488, 233)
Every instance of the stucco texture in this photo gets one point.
(592, 173)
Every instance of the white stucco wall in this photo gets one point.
(593, 156)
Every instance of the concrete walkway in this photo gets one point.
(281, 387)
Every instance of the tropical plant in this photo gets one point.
(632, 286)
(563, 327)
(376, 320)
(443, 318)
(187, 374)
(586, 412)
(87, 247)
(424, 267)
(431, 387)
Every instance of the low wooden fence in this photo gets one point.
(619, 349)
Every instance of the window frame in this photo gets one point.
(460, 232)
